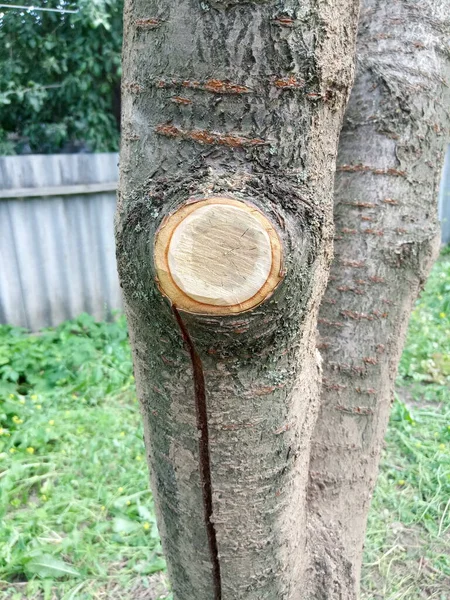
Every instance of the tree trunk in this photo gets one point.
(231, 115)
(389, 162)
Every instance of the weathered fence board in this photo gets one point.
(444, 200)
(57, 255)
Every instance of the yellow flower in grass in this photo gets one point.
(44, 498)
(146, 526)
(39, 406)
(441, 446)
(401, 482)
(120, 490)
(30, 450)
(12, 450)
(11, 396)
(51, 422)
(16, 420)
(442, 315)
(33, 397)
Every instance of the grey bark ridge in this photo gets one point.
(389, 161)
(245, 101)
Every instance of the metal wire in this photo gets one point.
(20, 7)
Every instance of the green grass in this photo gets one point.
(76, 512)
(77, 518)
(408, 537)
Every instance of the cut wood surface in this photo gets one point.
(217, 255)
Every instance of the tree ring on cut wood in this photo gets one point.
(217, 255)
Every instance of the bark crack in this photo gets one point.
(204, 453)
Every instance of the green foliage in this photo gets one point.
(426, 358)
(59, 74)
(408, 535)
(75, 507)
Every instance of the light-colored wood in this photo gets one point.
(217, 255)
(60, 190)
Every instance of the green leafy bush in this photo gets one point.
(60, 77)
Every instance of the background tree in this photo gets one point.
(60, 77)
(391, 153)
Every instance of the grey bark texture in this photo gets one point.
(246, 100)
(389, 163)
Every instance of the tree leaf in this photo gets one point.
(122, 525)
(144, 513)
(46, 565)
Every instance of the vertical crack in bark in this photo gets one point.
(204, 455)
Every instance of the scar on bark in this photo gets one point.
(204, 455)
(369, 391)
(150, 23)
(355, 410)
(346, 288)
(181, 100)
(202, 136)
(330, 323)
(289, 83)
(373, 170)
(132, 137)
(216, 86)
(333, 386)
(370, 231)
(357, 316)
(283, 21)
(361, 204)
(355, 264)
(133, 87)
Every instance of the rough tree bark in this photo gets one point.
(389, 163)
(230, 106)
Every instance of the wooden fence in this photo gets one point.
(444, 200)
(57, 255)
